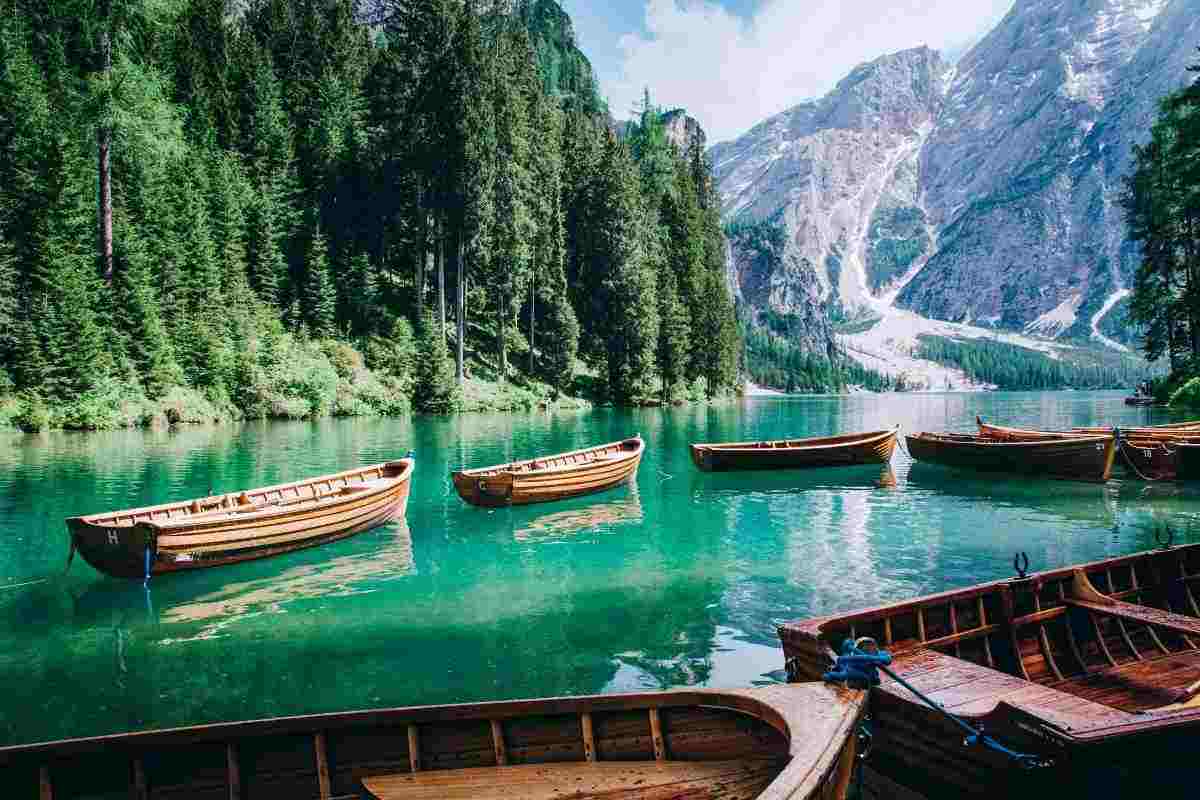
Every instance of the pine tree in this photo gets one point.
(512, 225)
(320, 298)
(626, 282)
(672, 357)
(436, 389)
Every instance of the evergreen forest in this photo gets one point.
(292, 208)
(1009, 366)
(1162, 210)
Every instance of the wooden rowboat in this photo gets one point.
(874, 447)
(223, 529)
(784, 741)
(1095, 667)
(1150, 457)
(539, 480)
(1085, 458)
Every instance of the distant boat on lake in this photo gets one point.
(224, 529)
(554, 477)
(849, 449)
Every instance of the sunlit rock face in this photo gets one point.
(984, 192)
(839, 174)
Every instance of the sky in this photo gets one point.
(733, 63)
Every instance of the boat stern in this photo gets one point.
(122, 551)
(702, 457)
(490, 491)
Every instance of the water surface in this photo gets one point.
(677, 580)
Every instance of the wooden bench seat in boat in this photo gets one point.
(1084, 595)
(966, 688)
(741, 778)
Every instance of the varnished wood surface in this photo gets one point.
(873, 447)
(551, 477)
(1147, 453)
(1070, 670)
(240, 526)
(801, 732)
(668, 780)
(1085, 458)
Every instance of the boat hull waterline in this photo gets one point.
(226, 529)
(548, 478)
(1084, 458)
(874, 447)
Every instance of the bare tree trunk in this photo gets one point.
(461, 310)
(439, 247)
(103, 147)
(422, 251)
(502, 323)
(532, 300)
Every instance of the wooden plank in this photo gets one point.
(1085, 596)
(233, 774)
(322, 759)
(554, 781)
(498, 743)
(589, 738)
(656, 735)
(414, 748)
(139, 780)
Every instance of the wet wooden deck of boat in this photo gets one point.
(740, 779)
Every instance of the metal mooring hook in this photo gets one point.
(1021, 564)
(1170, 537)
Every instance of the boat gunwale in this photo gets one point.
(91, 519)
(798, 778)
(816, 624)
(168, 527)
(509, 469)
(848, 440)
(976, 440)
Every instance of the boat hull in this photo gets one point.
(166, 539)
(833, 451)
(1085, 458)
(1095, 695)
(793, 742)
(495, 487)
(1150, 457)
(1187, 461)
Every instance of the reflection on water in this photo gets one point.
(599, 516)
(340, 576)
(679, 578)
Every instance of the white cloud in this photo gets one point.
(731, 73)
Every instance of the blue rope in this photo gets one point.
(860, 670)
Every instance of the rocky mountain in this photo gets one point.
(982, 193)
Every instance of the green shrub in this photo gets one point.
(345, 359)
(1188, 395)
(10, 409)
(33, 414)
(184, 405)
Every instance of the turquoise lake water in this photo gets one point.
(678, 579)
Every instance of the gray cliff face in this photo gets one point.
(1023, 172)
(839, 175)
(683, 131)
(986, 193)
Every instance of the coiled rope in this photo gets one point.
(857, 666)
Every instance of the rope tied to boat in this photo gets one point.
(1122, 444)
(858, 666)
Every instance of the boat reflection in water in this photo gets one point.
(390, 558)
(591, 518)
(866, 476)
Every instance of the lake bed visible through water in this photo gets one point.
(678, 579)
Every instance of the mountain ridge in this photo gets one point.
(983, 193)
